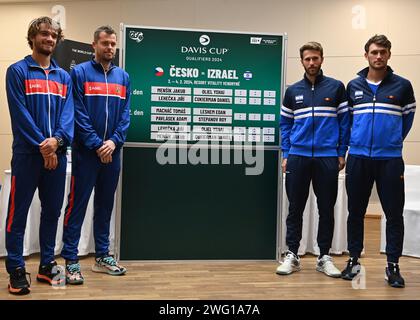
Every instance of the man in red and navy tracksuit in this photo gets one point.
(102, 117)
(383, 107)
(39, 95)
(314, 131)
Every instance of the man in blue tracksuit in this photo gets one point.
(314, 130)
(39, 95)
(102, 116)
(383, 107)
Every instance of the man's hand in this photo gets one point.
(48, 147)
(106, 150)
(106, 159)
(284, 165)
(51, 162)
(341, 163)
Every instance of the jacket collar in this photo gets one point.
(99, 67)
(318, 78)
(364, 72)
(33, 64)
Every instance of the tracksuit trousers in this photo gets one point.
(28, 174)
(323, 172)
(87, 173)
(389, 177)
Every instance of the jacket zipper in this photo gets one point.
(313, 118)
(106, 105)
(49, 103)
(373, 123)
(48, 94)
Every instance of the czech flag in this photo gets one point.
(159, 71)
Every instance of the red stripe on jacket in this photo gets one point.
(99, 88)
(34, 86)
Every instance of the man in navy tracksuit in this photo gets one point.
(102, 116)
(42, 113)
(314, 130)
(383, 107)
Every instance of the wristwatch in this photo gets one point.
(60, 141)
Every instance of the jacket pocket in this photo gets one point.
(388, 131)
(361, 130)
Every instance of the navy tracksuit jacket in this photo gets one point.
(380, 122)
(102, 112)
(41, 106)
(314, 130)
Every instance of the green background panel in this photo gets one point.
(175, 212)
(204, 211)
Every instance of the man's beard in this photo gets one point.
(42, 51)
(374, 67)
(105, 58)
(313, 71)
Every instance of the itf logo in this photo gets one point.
(204, 40)
(136, 36)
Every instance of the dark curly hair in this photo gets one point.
(34, 29)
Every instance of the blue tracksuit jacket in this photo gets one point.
(380, 122)
(95, 92)
(315, 118)
(40, 104)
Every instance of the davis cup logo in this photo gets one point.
(159, 71)
(204, 40)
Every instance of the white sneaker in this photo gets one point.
(291, 263)
(109, 265)
(326, 265)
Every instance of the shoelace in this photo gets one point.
(110, 260)
(350, 263)
(73, 268)
(395, 269)
(327, 258)
(289, 257)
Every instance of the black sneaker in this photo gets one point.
(18, 283)
(352, 269)
(393, 276)
(52, 274)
